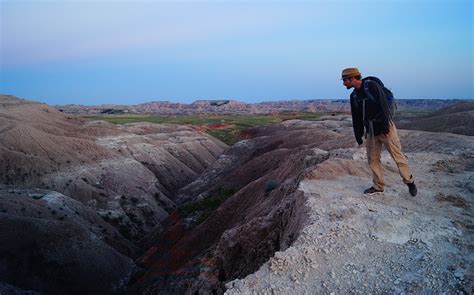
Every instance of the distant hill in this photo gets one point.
(457, 118)
(237, 107)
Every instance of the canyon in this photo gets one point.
(92, 207)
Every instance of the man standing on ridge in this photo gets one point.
(371, 111)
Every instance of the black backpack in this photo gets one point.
(392, 105)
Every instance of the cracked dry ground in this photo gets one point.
(386, 244)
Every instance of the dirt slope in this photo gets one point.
(128, 174)
(56, 245)
(93, 190)
(457, 118)
(387, 244)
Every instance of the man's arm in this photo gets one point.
(357, 120)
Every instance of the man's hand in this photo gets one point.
(359, 140)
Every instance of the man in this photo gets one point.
(371, 111)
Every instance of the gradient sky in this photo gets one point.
(129, 52)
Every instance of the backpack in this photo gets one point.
(392, 105)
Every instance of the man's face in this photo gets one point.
(348, 82)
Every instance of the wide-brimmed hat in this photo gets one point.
(350, 72)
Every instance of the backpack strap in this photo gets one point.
(367, 91)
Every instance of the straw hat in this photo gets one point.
(350, 72)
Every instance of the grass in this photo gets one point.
(229, 135)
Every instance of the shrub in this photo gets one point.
(270, 185)
(207, 204)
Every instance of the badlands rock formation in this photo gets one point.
(163, 209)
(101, 188)
(56, 245)
(387, 244)
(261, 212)
(328, 237)
(237, 107)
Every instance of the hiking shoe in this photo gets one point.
(372, 191)
(412, 189)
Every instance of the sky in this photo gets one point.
(130, 52)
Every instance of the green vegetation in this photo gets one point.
(228, 135)
(206, 206)
(226, 128)
(270, 185)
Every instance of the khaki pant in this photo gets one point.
(392, 144)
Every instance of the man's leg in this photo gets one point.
(392, 143)
(374, 149)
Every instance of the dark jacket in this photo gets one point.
(374, 111)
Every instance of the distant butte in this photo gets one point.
(237, 107)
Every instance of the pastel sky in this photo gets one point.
(129, 52)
